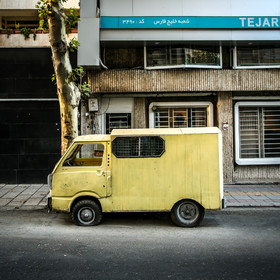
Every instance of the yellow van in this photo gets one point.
(177, 170)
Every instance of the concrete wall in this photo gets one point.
(234, 173)
(181, 80)
(17, 40)
(30, 4)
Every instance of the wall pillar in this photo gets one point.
(86, 119)
(225, 123)
(140, 112)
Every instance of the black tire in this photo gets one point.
(86, 213)
(187, 213)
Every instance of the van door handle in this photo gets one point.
(99, 173)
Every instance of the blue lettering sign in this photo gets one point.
(190, 22)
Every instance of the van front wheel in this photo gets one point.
(86, 213)
(187, 213)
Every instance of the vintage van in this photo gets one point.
(178, 170)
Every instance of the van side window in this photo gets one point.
(86, 155)
(132, 147)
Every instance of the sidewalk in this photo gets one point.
(252, 195)
(32, 197)
(24, 196)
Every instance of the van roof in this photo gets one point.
(147, 131)
(91, 137)
(165, 131)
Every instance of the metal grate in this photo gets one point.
(131, 147)
(198, 117)
(117, 120)
(271, 130)
(249, 132)
(259, 130)
(180, 117)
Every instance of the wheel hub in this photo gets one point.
(188, 212)
(86, 215)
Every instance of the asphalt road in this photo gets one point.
(230, 244)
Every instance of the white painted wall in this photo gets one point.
(190, 8)
(113, 105)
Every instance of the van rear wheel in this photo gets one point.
(187, 213)
(86, 213)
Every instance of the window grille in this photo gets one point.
(259, 133)
(117, 120)
(249, 132)
(180, 117)
(131, 147)
(271, 128)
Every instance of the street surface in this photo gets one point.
(236, 243)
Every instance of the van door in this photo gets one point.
(86, 170)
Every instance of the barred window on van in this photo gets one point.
(141, 147)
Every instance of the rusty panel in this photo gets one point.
(184, 80)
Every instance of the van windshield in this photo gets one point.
(85, 155)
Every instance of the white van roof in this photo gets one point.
(93, 137)
(165, 131)
(147, 131)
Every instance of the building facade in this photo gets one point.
(29, 108)
(185, 63)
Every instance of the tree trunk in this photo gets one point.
(68, 93)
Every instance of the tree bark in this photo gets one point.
(68, 93)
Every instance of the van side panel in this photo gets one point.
(189, 168)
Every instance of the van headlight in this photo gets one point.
(50, 178)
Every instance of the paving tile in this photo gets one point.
(8, 188)
(3, 192)
(4, 201)
(33, 201)
(22, 197)
(10, 195)
(30, 191)
(15, 203)
(258, 197)
(43, 203)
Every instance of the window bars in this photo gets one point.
(180, 117)
(132, 147)
(259, 133)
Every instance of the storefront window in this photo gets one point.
(256, 57)
(183, 57)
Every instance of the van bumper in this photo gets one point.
(224, 203)
(49, 202)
